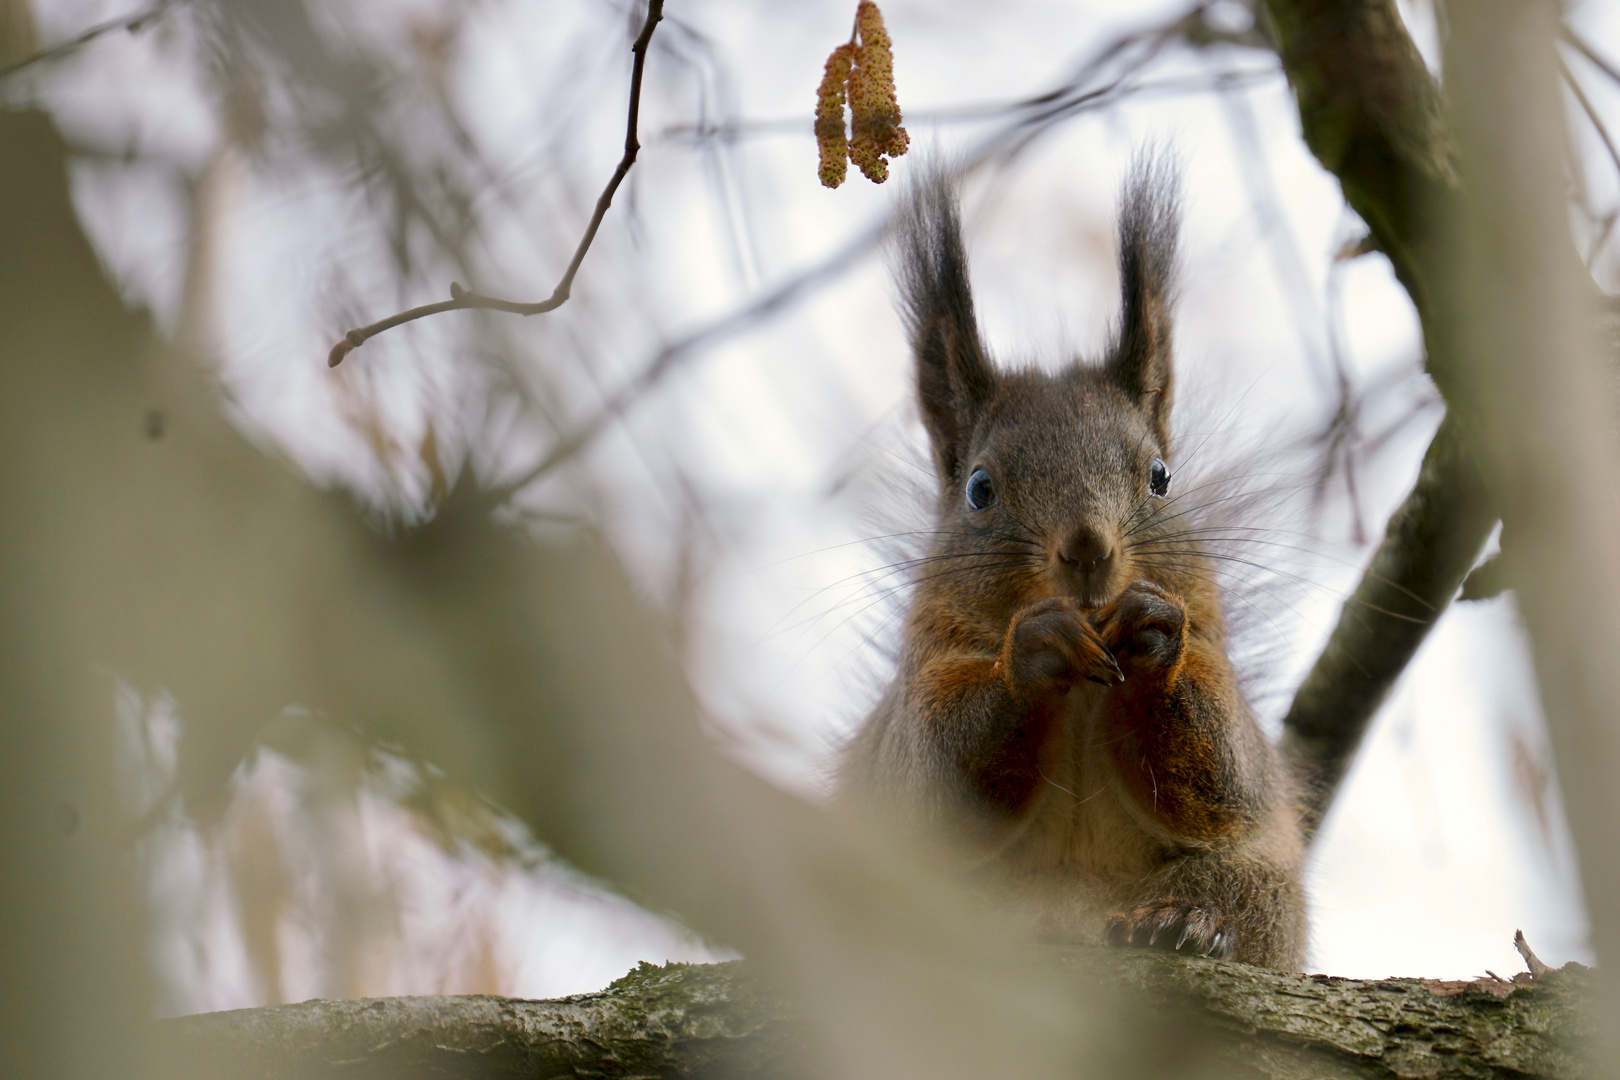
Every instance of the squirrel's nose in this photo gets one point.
(1087, 550)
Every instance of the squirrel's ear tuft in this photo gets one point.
(955, 381)
(1149, 219)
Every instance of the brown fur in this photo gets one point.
(1065, 706)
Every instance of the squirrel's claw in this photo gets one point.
(1172, 925)
(1113, 676)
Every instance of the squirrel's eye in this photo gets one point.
(981, 490)
(1159, 478)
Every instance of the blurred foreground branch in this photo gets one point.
(1523, 312)
(176, 556)
(1466, 195)
(703, 1020)
(179, 558)
(461, 299)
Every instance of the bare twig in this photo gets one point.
(1287, 261)
(665, 360)
(969, 113)
(1432, 542)
(1030, 117)
(1597, 59)
(132, 23)
(1591, 112)
(462, 299)
(1608, 221)
(1537, 967)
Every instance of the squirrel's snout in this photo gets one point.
(1087, 551)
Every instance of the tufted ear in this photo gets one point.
(955, 381)
(1149, 218)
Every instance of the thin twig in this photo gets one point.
(760, 307)
(1591, 112)
(1597, 59)
(133, 23)
(1042, 111)
(970, 113)
(1531, 960)
(462, 299)
(1603, 134)
(1288, 263)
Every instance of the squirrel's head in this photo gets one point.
(1049, 482)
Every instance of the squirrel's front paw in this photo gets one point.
(1175, 926)
(1143, 624)
(1050, 646)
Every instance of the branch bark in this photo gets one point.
(704, 1020)
(1374, 117)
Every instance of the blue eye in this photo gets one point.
(1159, 478)
(981, 490)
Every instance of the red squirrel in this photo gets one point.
(1065, 708)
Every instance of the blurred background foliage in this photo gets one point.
(302, 730)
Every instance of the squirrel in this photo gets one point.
(1064, 706)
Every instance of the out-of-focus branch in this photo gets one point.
(1597, 59)
(667, 358)
(1521, 315)
(462, 299)
(185, 559)
(1479, 236)
(1591, 112)
(133, 23)
(1431, 542)
(686, 1020)
(732, 131)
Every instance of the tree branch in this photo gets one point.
(462, 299)
(1373, 115)
(1432, 541)
(686, 1020)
